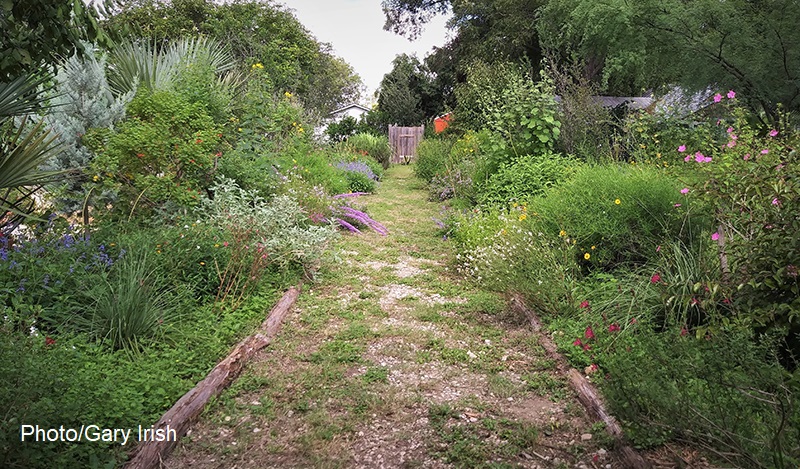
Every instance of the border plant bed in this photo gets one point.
(586, 391)
(179, 418)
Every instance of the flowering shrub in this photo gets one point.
(376, 147)
(164, 153)
(359, 176)
(750, 185)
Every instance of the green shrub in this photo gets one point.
(614, 214)
(526, 177)
(164, 153)
(376, 147)
(432, 158)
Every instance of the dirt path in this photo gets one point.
(390, 361)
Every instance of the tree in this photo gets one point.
(747, 46)
(407, 94)
(34, 33)
(257, 32)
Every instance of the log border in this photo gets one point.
(586, 391)
(151, 454)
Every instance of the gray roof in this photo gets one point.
(350, 106)
(633, 102)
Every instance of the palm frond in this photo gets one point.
(20, 96)
(23, 153)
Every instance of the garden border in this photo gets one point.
(586, 391)
(179, 417)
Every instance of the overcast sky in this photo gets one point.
(355, 30)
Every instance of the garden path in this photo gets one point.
(390, 360)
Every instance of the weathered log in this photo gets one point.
(587, 393)
(177, 420)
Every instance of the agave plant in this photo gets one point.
(143, 64)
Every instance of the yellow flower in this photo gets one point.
(216, 245)
(257, 66)
(617, 201)
(158, 251)
(96, 178)
(503, 231)
(300, 130)
(287, 94)
(587, 256)
(522, 217)
(202, 263)
(562, 233)
(593, 248)
(642, 145)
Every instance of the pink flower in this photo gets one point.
(658, 248)
(765, 151)
(577, 343)
(715, 236)
(676, 205)
(589, 333)
(699, 157)
(225, 244)
(729, 130)
(633, 321)
(773, 133)
(613, 328)
(655, 278)
(688, 158)
(584, 304)
(681, 148)
(746, 156)
(731, 94)
(684, 331)
(717, 98)
(775, 201)
(694, 301)
(685, 190)
(731, 144)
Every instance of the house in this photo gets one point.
(612, 102)
(351, 110)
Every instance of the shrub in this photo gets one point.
(613, 214)
(432, 158)
(376, 147)
(526, 177)
(164, 153)
(305, 166)
(359, 176)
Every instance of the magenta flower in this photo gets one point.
(681, 148)
(775, 201)
(577, 343)
(699, 157)
(773, 133)
(715, 236)
(655, 278)
(731, 144)
(658, 248)
(746, 156)
(731, 94)
(765, 151)
(685, 190)
(688, 158)
(676, 205)
(717, 98)
(729, 130)
(589, 333)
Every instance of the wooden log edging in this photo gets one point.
(586, 391)
(149, 454)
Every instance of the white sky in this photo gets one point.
(354, 28)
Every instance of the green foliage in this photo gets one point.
(526, 177)
(37, 33)
(728, 393)
(370, 145)
(623, 211)
(163, 154)
(131, 305)
(432, 157)
(407, 96)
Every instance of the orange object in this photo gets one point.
(442, 122)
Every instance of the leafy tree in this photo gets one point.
(37, 32)
(407, 93)
(257, 32)
(742, 45)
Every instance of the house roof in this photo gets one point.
(350, 106)
(632, 102)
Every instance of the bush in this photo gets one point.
(370, 145)
(614, 214)
(526, 177)
(432, 158)
(359, 176)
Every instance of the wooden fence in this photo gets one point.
(404, 141)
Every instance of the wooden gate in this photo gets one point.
(404, 141)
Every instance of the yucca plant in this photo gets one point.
(142, 64)
(22, 151)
